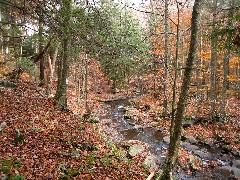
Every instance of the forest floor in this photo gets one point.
(40, 142)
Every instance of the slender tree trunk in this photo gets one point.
(54, 58)
(86, 85)
(176, 69)
(226, 62)
(238, 81)
(50, 78)
(166, 59)
(40, 34)
(183, 57)
(213, 66)
(167, 172)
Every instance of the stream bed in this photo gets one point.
(118, 128)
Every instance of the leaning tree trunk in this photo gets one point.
(167, 172)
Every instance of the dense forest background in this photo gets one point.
(78, 54)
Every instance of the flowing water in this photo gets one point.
(118, 128)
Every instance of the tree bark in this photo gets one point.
(166, 59)
(226, 62)
(61, 93)
(40, 34)
(176, 69)
(199, 74)
(213, 66)
(170, 161)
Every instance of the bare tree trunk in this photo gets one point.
(167, 171)
(40, 34)
(176, 68)
(166, 59)
(226, 62)
(86, 85)
(61, 93)
(238, 81)
(50, 77)
(213, 66)
(54, 58)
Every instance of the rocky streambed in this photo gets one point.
(119, 127)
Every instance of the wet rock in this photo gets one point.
(236, 152)
(201, 154)
(166, 139)
(135, 149)
(236, 163)
(152, 162)
(189, 146)
(223, 163)
(122, 108)
(226, 170)
(231, 170)
(130, 133)
(184, 138)
(225, 149)
(138, 128)
(192, 140)
(158, 135)
(192, 147)
(236, 172)
(209, 142)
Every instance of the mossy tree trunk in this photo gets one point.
(167, 171)
(61, 93)
(226, 59)
(213, 64)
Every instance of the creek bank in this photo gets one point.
(123, 122)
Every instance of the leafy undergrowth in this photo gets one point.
(37, 141)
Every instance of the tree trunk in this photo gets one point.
(176, 69)
(166, 24)
(54, 58)
(167, 173)
(199, 75)
(226, 62)
(61, 93)
(213, 66)
(86, 86)
(40, 34)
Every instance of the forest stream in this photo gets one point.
(118, 128)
